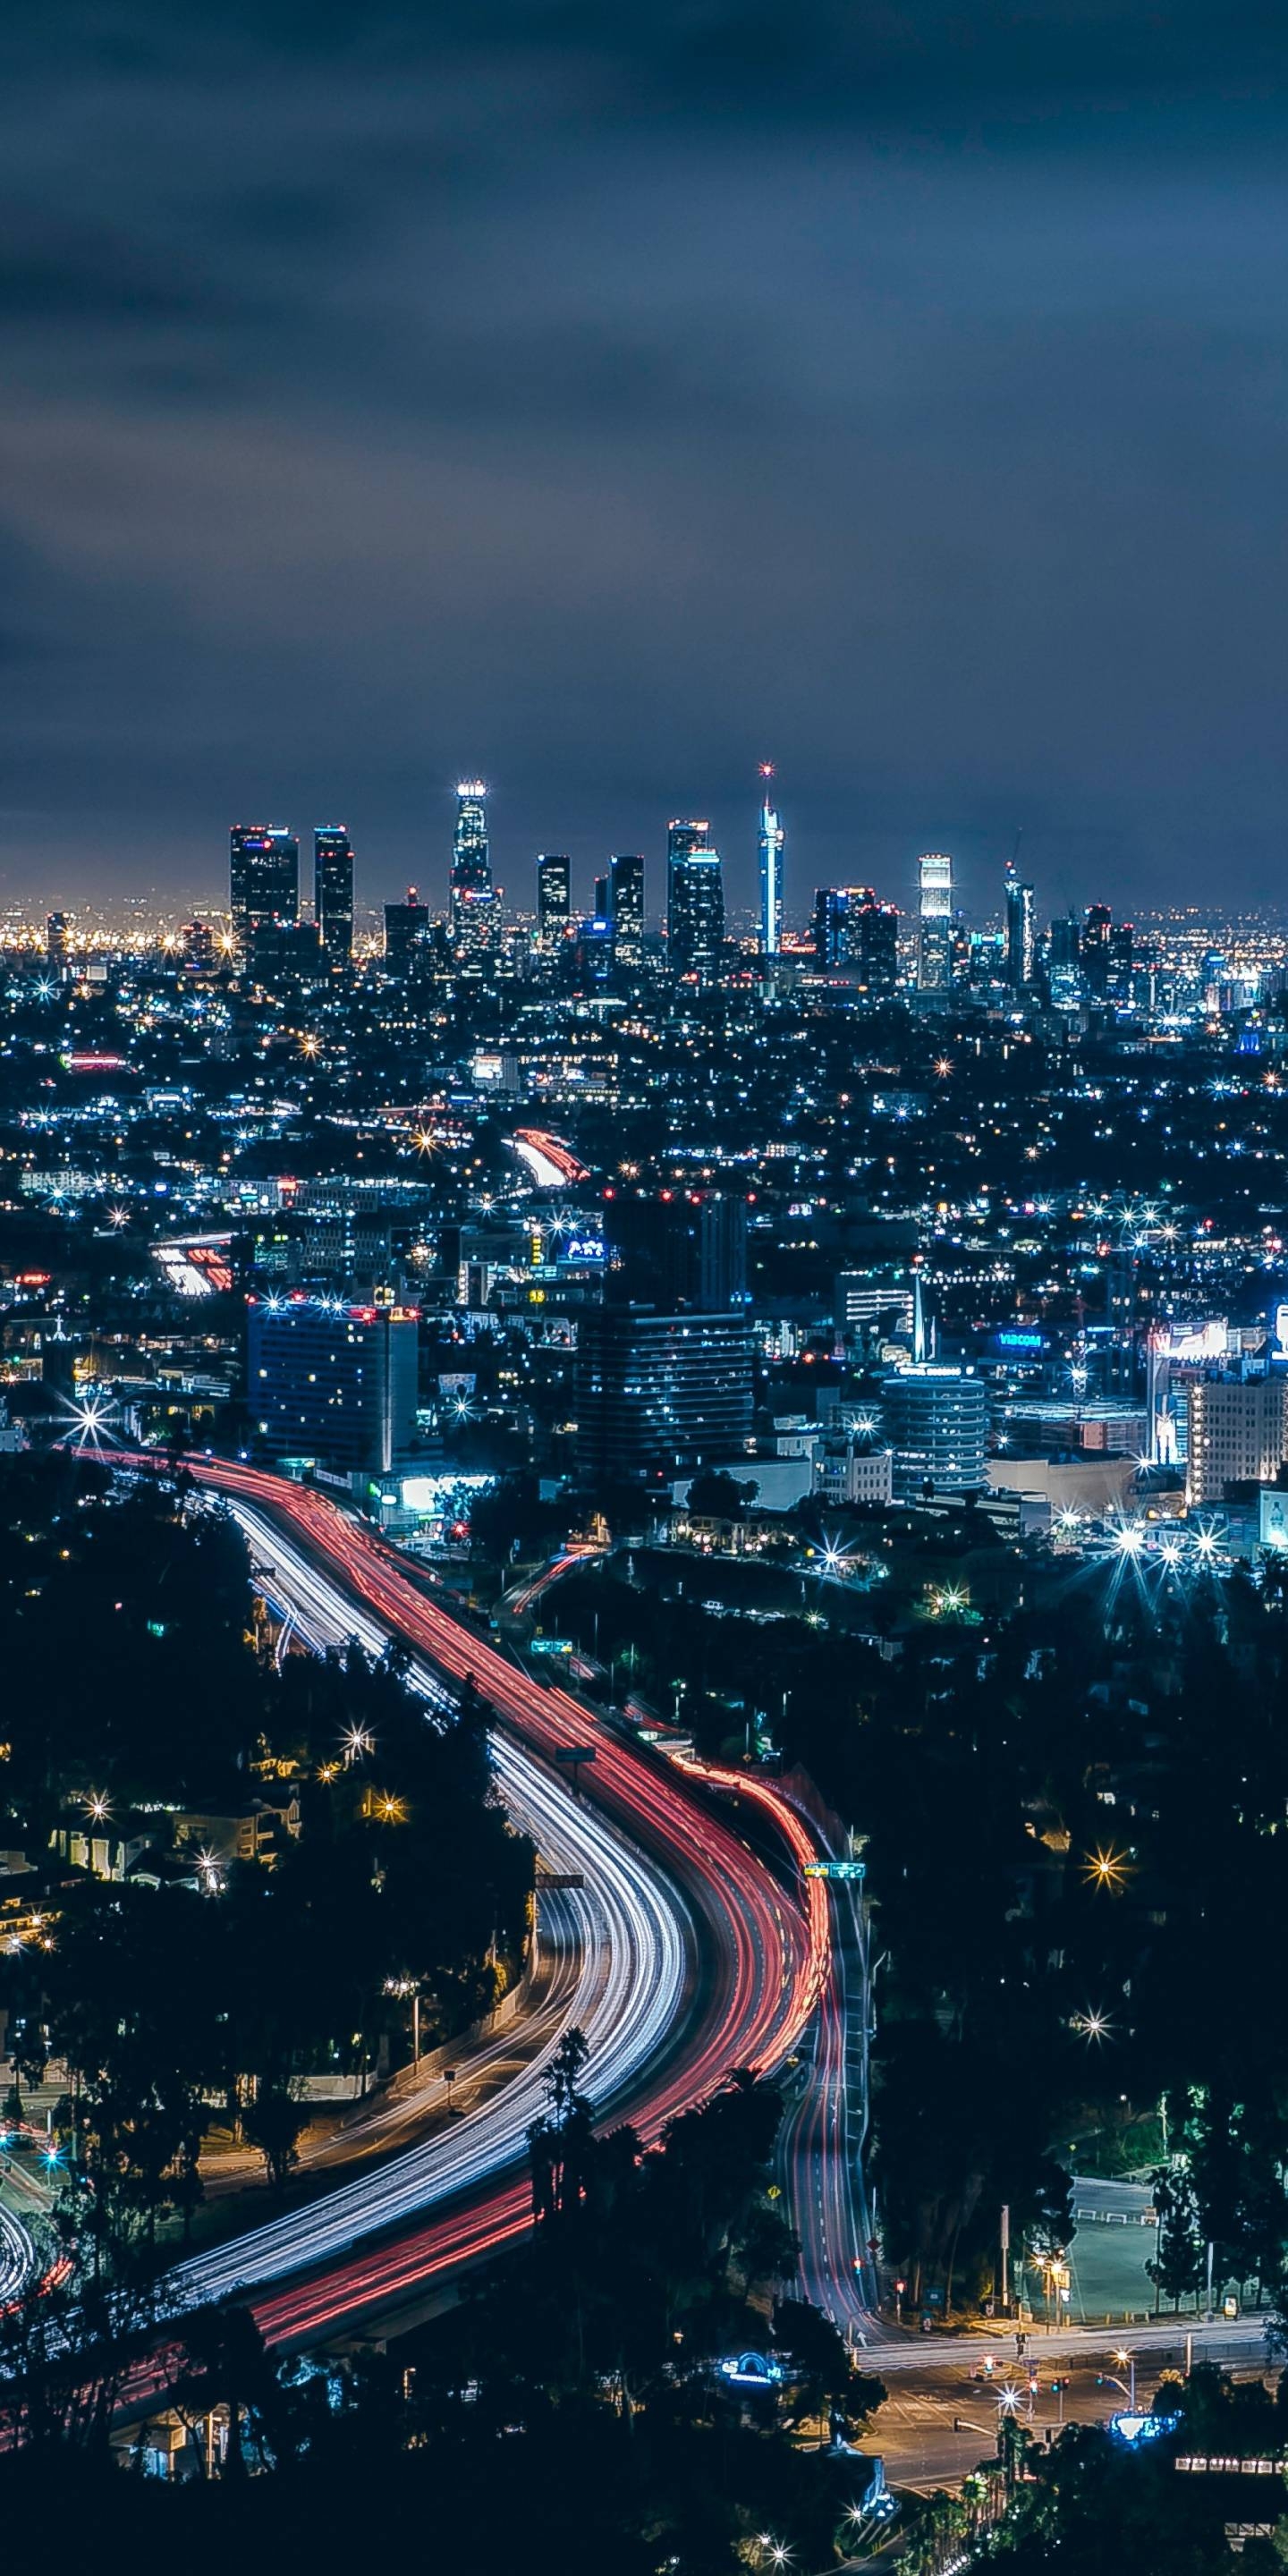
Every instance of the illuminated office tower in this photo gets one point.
(626, 909)
(851, 928)
(659, 1393)
(333, 892)
(332, 1382)
(1238, 1435)
(935, 922)
(695, 916)
(554, 900)
(263, 880)
(1121, 945)
(771, 837)
(1019, 930)
(1096, 934)
(473, 896)
(56, 941)
(1064, 962)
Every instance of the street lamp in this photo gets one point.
(1127, 2361)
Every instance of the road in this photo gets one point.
(941, 2418)
(17, 2254)
(519, 1600)
(820, 2150)
(689, 1892)
(621, 1970)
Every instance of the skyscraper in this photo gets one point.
(473, 896)
(851, 928)
(678, 1251)
(771, 837)
(695, 916)
(1064, 955)
(935, 922)
(406, 930)
(554, 900)
(657, 1393)
(1095, 950)
(1019, 929)
(333, 1382)
(264, 880)
(626, 909)
(333, 892)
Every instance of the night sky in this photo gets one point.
(607, 399)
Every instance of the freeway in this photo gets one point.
(17, 2254)
(821, 2147)
(669, 2038)
(622, 1945)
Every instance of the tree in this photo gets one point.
(714, 1496)
(273, 2122)
(1176, 2269)
(819, 2364)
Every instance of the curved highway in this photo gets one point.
(17, 2255)
(627, 1933)
(763, 1962)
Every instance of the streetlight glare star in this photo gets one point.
(1108, 1869)
(91, 1417)
(1092, 2024)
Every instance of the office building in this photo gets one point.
(1121, 944)
(263, 880)
(56, 942)
(872, 1301)
(934, 922)
(770, 840)
(852, 930)
(832, 924)
(285, 951)
(847, 1474)
(1095, 951)
(474, 912)
(333, 892)
(592, 953)
(1020, 929)
(626, 909)
(554, 900)
(695, 915)
(936, 1421)
(1238, 1434)
(878, 944)
(406, 931)
(680, 1251)
(1064, 962)
(332, 1382)
(656, 1394)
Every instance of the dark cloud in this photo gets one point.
(607, 398)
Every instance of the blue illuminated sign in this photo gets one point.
(1015, 1338)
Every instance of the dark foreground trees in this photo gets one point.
(569, 2413)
